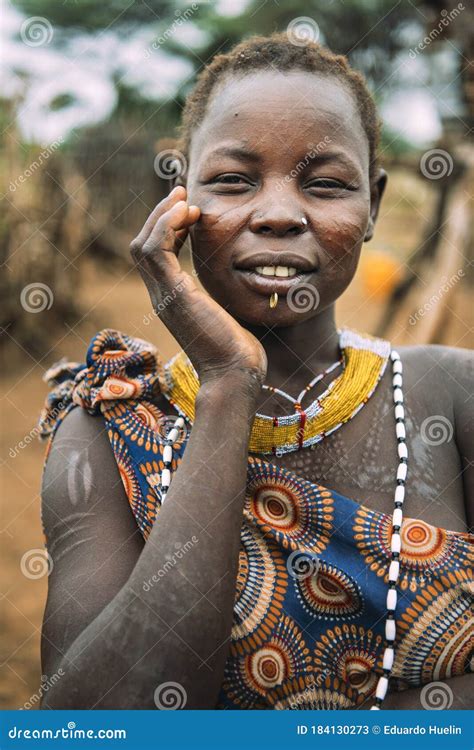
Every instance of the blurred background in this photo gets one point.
(87, 92)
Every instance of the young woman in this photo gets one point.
(263, 521)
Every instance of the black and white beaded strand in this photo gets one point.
(395, 543)
(170, 439)
(397, 518)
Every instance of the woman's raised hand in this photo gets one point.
(212, 339)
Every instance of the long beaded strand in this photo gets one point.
(397, 517)
(170, 439)
(395, 543)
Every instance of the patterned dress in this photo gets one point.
(309, 609)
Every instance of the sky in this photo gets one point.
(37, 67)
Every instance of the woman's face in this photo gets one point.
(280, 170)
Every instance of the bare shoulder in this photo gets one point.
(444, 378)
(92, 538)
(81, 477)
(448, 369)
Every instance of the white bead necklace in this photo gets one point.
(395, 544)
(170, 439)
(297, 401)
(397, 518)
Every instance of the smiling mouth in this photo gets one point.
(278, 271)
(281, 265)
(268, 279)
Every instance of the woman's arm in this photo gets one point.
(176, 630)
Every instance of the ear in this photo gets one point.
(170, 162)
(179, 176)
(376, 193)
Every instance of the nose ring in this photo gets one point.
(304, 220)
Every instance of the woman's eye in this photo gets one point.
(328, 184)
(230, 179)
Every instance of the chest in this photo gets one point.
(360, 459)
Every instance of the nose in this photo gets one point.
(279, 220)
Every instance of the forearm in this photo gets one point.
(171, 622)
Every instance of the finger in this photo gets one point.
(177, 194)
(164, 234)
(181, 234)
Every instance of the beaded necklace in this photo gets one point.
(364, 359)
(397, 517)
(298, 401)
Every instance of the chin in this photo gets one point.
(261, 314)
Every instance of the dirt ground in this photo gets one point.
(119, 300)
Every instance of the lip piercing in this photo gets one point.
(273, 300)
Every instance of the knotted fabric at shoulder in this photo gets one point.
(117, 367)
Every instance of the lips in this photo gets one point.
(262, 260)
(254, 272)
(268, 284)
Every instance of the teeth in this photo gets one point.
(282, 271)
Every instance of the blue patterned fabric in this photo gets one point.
(309, 610)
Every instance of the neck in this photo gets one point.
(297, 353)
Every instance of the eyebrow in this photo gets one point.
(324, 157)
(236, 152)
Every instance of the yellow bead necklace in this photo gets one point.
(364, 359)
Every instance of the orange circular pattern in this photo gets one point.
(296, 513)
(425, 550)
(330, 593)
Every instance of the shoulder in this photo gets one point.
(443, 378)
(81, 482)
(117, 367)
(439, 380)
(449, 370)
(78, 452)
